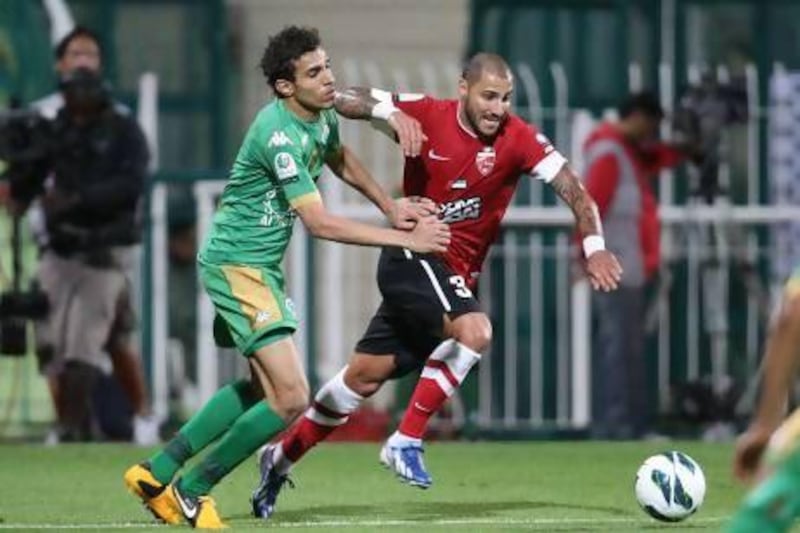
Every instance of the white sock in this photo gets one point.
(398, 440)
(280, 462)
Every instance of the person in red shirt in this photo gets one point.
(467, 156)
(622, 158)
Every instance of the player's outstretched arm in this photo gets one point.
(781, 361)
(402, 214)
(601, 265)
(429, 233)
(363, 103)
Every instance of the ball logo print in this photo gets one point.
(670, 486)
(285, 166)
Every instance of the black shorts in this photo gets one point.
(418, 290)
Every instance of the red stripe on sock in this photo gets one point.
(442, 366)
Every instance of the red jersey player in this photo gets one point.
(468, 161)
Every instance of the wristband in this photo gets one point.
(383, 110)
(592, 244)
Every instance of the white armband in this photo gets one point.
(383, 110)
(592, 244)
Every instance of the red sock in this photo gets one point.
(307, 433)
(428, 398)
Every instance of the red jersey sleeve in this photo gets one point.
(602, 177)
(414, 104)
(661, 156)
(539, 156)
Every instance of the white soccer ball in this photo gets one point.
(670, 486)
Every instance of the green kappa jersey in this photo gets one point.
(275, 171)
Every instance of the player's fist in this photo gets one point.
(409, 133)
(406, 211)
(604, 271)
(429, 235)
(749, 449)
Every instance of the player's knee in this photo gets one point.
(290, 402)
(364, 380)
(475, 333)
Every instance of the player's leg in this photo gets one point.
(774, 504)
(239, 294)
(373, 363)
(278, 370)
(446, 368)
(425, 289)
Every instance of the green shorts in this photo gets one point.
(252, 309)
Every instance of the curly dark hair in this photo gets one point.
(283, 49)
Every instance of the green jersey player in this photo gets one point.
(774, 504)
(273, 181)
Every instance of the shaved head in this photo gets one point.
(485, 62)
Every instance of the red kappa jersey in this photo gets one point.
(470, 180)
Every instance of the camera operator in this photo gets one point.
(88, 196)
(80, 48)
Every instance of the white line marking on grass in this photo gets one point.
(712, 520)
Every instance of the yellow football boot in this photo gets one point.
(200, 512)
(154, 495)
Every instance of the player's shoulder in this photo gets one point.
(272, 128)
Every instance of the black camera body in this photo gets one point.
(703, 112)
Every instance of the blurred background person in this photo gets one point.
(80, 49)
(622, 158)
(89, 192)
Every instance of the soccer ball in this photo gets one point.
(670, 486)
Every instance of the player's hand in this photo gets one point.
(430, 235)
(409, 133)
(604, 271)
(406, 211)
(749, 449)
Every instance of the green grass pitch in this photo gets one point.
(532, 486)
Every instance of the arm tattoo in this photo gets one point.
(355, 102)
(571, 190)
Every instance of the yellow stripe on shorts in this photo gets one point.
(254, 296)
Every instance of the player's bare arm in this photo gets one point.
(402, 213)
(780, 367)
(429, 233)
(601, 265)
(363, 103)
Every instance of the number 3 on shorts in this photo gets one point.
(460, 285)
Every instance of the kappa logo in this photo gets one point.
(263, 316)
(279, 138)
(461, 209)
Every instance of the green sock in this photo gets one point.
(771, 507)
(211, 421)
(251, 430)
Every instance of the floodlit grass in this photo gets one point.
(539, 486)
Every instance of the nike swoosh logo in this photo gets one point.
(189, 510)
(433, 155)
(421, 408)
